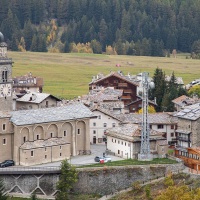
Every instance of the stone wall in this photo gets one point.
(103, 180)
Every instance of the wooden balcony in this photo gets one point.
(122, 85)
(127, 91)
(126, 98)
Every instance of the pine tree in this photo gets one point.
(2, 190)
(67, 178)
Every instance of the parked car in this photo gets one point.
(98, 158)
(7, 163)
(105, 159)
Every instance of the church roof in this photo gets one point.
(53, 114)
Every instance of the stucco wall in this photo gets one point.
(104, 180)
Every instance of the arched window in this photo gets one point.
(4, 75)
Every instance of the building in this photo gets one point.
(188, 131)
(182, 101)
(99, 125)
(125, 140)
(28, 82)
(118, 81)
(42, 135)
(162, 122)
(35, 100)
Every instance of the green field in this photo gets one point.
(68, 75)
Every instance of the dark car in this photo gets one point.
(7, 163)
(98, 158)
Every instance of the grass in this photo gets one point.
(132, 162)
(67, 75)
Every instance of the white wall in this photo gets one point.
(97, 126)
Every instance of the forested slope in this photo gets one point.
(133, 27)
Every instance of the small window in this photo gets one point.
(150, 126)
(122, 143)
(172, 126)
(60, 147)
(118, 142)
(94, 123)
(172, 134)
(47, 104)
(125, 143)
(188, 126)
(94, 132)
(4, 76)
(160, 126)
(99, 117)
(113, 124)
(24, 138)
(79, 131)
(38, 137)
(51, 135)
(112, 140)
(45, 156)
(4, 141)
(45, 149)
(118, 152)
(115, 141)
(31, 153)
(4, 127)
(60, 154)
(104, 124)
(65, 133)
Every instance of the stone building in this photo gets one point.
(43, 135)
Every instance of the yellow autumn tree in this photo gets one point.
(151, 109)
(21, 45)
(52, 32)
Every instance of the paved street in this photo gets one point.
(96, 150)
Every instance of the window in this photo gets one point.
(31, 153)
(47, 104)
(45, 156)
(38, 137)
(94, 132)
(172, 134)
(24, 138)
(118, 142)
(118, 152)
(113, 124)
(115, 141)
(160, 126)
(112, 140)
(104, 124)
(150, 126)
(51, 135)
(60, 154)
(94, 123)
(60, 147)
(65, 133)
(4, 127)
(122, 143)
(172, 126)
(125, 143)
(99, 117)
(45, 149)
(188, 126)
(4, 76)
(79, 131)
(4, 141)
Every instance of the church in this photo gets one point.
(31, 137)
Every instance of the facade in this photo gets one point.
(118, 81)
(35, 100)
(161, 122)
(124, 141)
(28, 82)
(188, 131)
(99, 125)
(40, 135)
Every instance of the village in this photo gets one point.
(38, 128)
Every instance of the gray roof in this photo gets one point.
(5, 114)
(154, 118)
(189, 112)
(35, 97)
(70, 112)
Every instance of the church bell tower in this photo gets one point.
(6, 99)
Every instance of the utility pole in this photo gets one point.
(145, 143)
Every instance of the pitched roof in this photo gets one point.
(154, 118)
(184, 100)
(119, 75)
(130, 132)
(35, 97)
(53, 114)
(43, 143)
(189, 112)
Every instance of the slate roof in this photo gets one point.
(154, 118)
(53, 114)
(5, 114)
(189, 112)
(184, 100)
(43, 143)
(131, 132)
(179, 80)
(35, 97)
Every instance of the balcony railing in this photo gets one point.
(183, 139)
(127, 91)
(122, 85)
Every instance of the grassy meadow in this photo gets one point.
(67, 75)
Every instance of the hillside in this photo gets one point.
(131, 27)
(68, 75)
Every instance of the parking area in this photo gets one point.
(96, 150)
